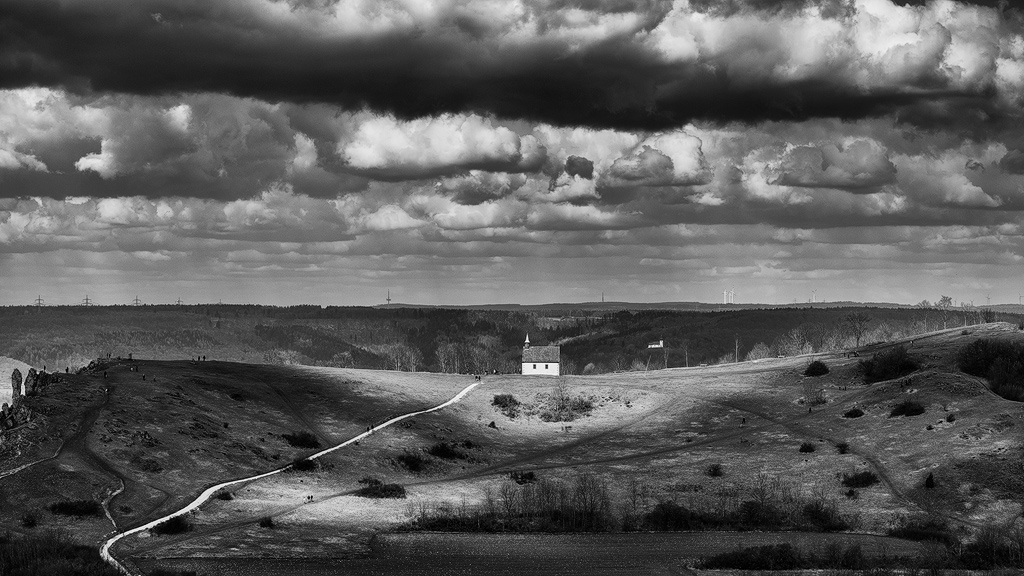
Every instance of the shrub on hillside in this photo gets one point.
(225, 496)
(774, 557)
(892, 363)
(563, 406)
(507, 403)
(842, 447)
(951, 418)
(301, 440)
(923, 530)
(907, 408)
(377, 489)
(860, 479)
(714, 470)
(76, 508)
(176, 525)
(999, 362)
(853, 413)
(446, 451)
(807, 447)
(302, 465)
(823, 516)
(816, 368)
(520, 477)
(267, 522)
(412, 461)
(667, 516)
(29, 520)
(929, 482)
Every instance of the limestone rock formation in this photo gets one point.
(16, 384)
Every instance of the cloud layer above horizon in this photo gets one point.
(663, 149)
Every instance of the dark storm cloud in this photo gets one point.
(546, 67)
(579, 166)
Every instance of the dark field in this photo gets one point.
(564, 554)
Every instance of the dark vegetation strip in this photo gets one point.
(998, 361)
(50, 554)
(526, 503)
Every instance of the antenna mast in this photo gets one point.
(389, 297)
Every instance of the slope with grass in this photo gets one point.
(649, 438)
(652, 437)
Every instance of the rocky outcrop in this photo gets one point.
(16, 384)
(17, 413)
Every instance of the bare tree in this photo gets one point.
(857, 322)
(944, 304)
(759, 351)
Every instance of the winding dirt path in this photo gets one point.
(107, 556)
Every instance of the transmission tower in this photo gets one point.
(87, 301)
(178, 301)
(389, 297)
(136, 302)
(38, 302)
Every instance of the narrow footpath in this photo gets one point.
(209, 492)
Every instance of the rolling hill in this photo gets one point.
(143, 437)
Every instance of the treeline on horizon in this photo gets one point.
(455, 340)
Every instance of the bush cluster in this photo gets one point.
(807, 447)
(302, 465)
(924, 530)
(507, 403)
(267, 522)
(520, 477)
(412, 461)
(787, 557)
(816, 368)
(907, 408)
(447, 451)
(301, 440)
(176, 525)
(853, 413)
(999, 362)
(892, 363)
(860, 479)
(714, 470)
(374, 488)
(76, 508)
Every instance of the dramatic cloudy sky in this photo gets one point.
(324, 151)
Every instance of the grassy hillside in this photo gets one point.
(736, 446)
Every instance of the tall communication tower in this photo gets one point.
(389, 297)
